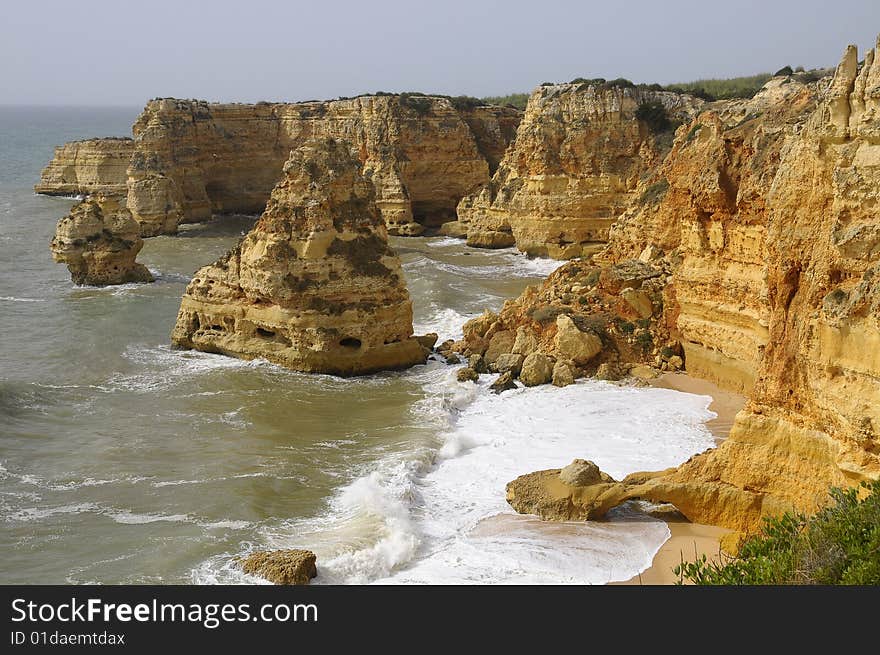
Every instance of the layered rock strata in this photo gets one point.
(574, 166)
(99, 241)
(314, 286)
(769, 230)
(191, 159)
(88, 166)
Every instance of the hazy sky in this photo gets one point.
(122, 52)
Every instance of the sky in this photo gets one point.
(101, 52)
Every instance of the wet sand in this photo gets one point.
(690, 540)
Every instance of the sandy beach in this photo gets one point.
(690, 540)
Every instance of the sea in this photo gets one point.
(124, 461)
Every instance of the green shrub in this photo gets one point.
(644, 323)
(517, 100)
(645, 339)
(723, 89)
(838, 545)
(417, 102)
(546, 314)
(785, 70)
(624, 327)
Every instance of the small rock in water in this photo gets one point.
(452, 358)
(289, 567)
(537, 369)
(477, 363)
(467, 374)
(503, 383)
(509, 362)
(428, 340)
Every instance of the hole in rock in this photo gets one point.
(350, 342)
(262, 332)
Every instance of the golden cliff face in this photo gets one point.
(314, 286)
(573, 168)
(767, 218)
(99, 241)
(193, 159)
(89, 166)
(706, 208)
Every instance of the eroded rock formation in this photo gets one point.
(88, 166)
(770, 231)
(191, 159)
(99, 241)
(314, 286)
(573, 168)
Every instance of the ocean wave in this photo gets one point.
(437, 514)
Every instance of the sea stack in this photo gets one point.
(99, 241)
(314, 287)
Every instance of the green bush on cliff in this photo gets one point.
(840, 544)
(517, 100)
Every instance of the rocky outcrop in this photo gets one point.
(581, 319)
(99, 241)
(89, 166)
(314, 286)
(288, 567)
(573, 168)
(769, 231)
(706, 208)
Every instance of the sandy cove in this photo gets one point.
(688, 541)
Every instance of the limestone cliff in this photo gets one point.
(314, 286)
(574, 166)
(193, 159)
(769, 228)
(99, 241)
(88, 166)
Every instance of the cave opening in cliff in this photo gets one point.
(350, 342)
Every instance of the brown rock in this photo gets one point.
(580, 472)
(287, 567)
(573, 344)
(501, 343)
(563, 374)
(467, 374)
(99, 241)
(511, 362)
(537, 369)
(314, 286)
(478, 364)
(504, 382)
(428, 340)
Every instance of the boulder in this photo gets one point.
(478, 364)
(563, 374)
(580, 472)
(428, 340)
(500, 343)
(509, 362)
(503, 383)
(287, 567)
(639, 301)
(580, 347)
(467, 374)
(610, 371)
(537, 369)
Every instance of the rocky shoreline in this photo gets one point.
(741, 246)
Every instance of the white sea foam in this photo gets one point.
(444, 242)
(445, 322)
(439, 515)
(161, 366)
